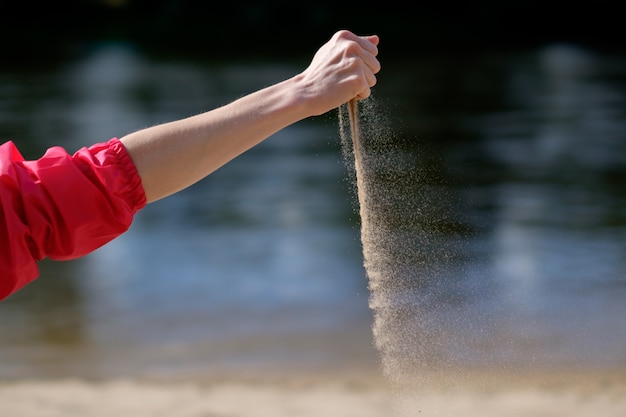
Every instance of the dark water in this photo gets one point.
(521, 161)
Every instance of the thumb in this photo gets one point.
(372, 38)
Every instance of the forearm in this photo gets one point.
(172, 156)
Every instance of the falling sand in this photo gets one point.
(411, 266)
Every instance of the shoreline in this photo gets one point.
(330, 394)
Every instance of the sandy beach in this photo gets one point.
(577, 394)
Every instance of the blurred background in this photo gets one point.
(516, 110)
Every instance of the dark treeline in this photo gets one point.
(35, 30)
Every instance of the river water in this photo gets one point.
(259, 267)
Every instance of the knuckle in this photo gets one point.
(352, 48)
(342, 34)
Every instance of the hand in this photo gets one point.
(343, 69)
(171, 156)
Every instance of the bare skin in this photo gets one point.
(175, 155)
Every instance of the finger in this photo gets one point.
(373, 39)
(369, 81)
(371, 62)
(370, 77)
(369, 43)
(364, 94)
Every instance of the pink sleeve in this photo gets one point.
(62, 206)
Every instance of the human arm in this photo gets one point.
(62, 206)
(174, 155)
